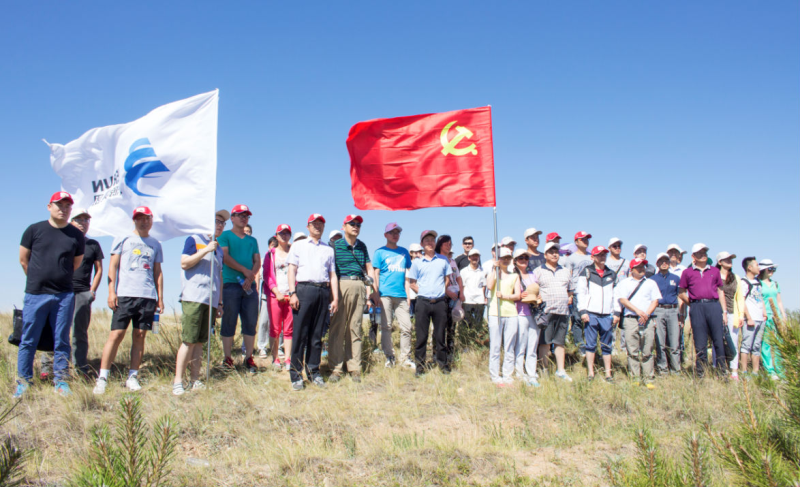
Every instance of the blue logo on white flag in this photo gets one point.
(142, 162)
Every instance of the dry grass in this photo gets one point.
(389, 430)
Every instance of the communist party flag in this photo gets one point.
(422, 161)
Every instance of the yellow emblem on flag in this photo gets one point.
(449, 146)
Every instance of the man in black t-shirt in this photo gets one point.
(85, 288)
(462, 260)
(49, 253)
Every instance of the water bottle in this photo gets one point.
(247, 291)
(155, 323)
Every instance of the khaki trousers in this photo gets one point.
(344, 341)
(395, 308)
(640, 339)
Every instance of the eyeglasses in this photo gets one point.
(219, 222)
(354, 224)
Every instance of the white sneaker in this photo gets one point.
(389, 364)
(198, 385)
(563, 376)
(100, 386)
(262, 353)
(133, 383)
(177, 389)
(409, 364)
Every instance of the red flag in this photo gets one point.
(421, 161)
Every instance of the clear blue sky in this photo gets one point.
(655, 122)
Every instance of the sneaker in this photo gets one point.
(650, 386)
(533, 382)
(228, 363)
(377, 350)
(389, 363)
(262, 353)
(590, 378)
(198, 385)
(276, 365)
(177, 389)
(100, 386)
(62, 389)
(356, 378)
(22, 388)
(287, 366)
(408, 364)
(318, 381)
(280, 352)
(775, 377)
(418, 374)
(133, 383)
(735, 376)
(334, 378)
(298, 385)
(563, 376)
(609, 380)
(251, 365)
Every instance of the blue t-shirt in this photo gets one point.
(392, 264)
(668, 285)
(430, 274)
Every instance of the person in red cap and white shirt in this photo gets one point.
(276, 290)
(135, 295)
(635, 299)
(313, 295)
(575, 264)
(595, 304)
(50, 251)
(354, 271)
(242, 263)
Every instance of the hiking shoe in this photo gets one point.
(22, 388)
(563, 376)
(262, 353)
(408, 364)
(251, 365)
(650, 386)
(318, 381)
(177, 389)
(334, 378)
(389, 363)
(100, 386)
(228, 363)
(533, 382)
(133, 383)
(298, 385)
(198, 385)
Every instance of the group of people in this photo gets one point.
(306, 288)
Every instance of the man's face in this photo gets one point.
(392, 237)
(429, 243)
(60, 210)
(474, 259)
(143, 223)
(219, 226)
(582, 243)
(675, 257)
(616, 249)
(336, 237)
(640, 254)
(753, 267)
(551, 256)
(638, 272)
(352, 228)
(600, 259)
(700, 258)
(239, 220)
(285, 236)
(663, 264)
(316, 228)
(81, 222)
(511, 246)
(468, 245)
(532, 241)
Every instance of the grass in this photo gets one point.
(390, 430)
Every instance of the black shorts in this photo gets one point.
(140, 311)
(555, 332)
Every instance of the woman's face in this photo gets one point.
(521, 262)
(726, 263)
(447, 247)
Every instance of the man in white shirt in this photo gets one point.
(635, 298)
(675, 253)
(474, 280)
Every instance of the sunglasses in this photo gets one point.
(469, 243)
(354, 224)
(615, 246)
(523, 257)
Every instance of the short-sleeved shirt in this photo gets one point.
(314, 260)
(616, 266)
(137, 255)
(668, 287)
(508, 284)
(677, 270)
(474, 285)
(392, 264)
(770, 290)
(534, 261)
(82, 279)
(754, 299)
(430, 275)
(239, 249)
(196, 281)
(524, 309)
(575, 264)
(351, 260)
(553, 287)
(462, 261)
(701, 284)
(454, 277)
(643, 298)
(52, 263)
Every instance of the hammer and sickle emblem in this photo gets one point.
(449, 146)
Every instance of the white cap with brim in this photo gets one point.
(80, 211)
(224, 214)
(550, 245)
(676, 247)
(505, 252)
(520, 252)
(334, 233)
(766, 264)
(299, 236)
(639, 247)
(613, 241)
(474, 252)
(661, 255)
(698, 247)
(507, 241)
(415, 247)
(531, 231)
(725, 255)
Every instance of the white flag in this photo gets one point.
(166, 160)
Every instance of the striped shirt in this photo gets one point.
(346, 264)
(553, 287)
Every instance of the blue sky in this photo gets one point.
(653, 122)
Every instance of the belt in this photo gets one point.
(315, 284)
(432, 301)
(351, 278)
(668, 306)
(704, 300)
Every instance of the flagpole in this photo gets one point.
(211, 307)
(497, 259)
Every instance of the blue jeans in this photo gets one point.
(239, 304)
(38, 310)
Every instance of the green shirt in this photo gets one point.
(346, 264)
(241, 250)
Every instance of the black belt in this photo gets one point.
(350, 278)
(704, 300)
(315, 284)
(668, 306)
(432, 301)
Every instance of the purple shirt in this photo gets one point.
(701, 284)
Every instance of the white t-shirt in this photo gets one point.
(474, 285)
(754, 300)
(642, 299)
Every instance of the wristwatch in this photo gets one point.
(292, 293)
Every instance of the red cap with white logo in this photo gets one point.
(350, 218)
(283, 227)
(582, 234)
(599, 250)
(142, 210)
(316, 216)
(552, 236)
(60, 196)
(638, 262)
(241, 209)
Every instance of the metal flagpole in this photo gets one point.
(211, 307)
(497, 259)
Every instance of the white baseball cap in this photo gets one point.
(299, 236)
(333, 233)
(519, 252)
(531, 231)
(507, 241)
(505, 252)
(550, 245)
(474, 252)
(725, 255)
(415, 247)
(639, 247)
(698, 247)
(766, 264)
(661, 255)
(676, 247)
(392, 226)
(78, 212)
(613, 241)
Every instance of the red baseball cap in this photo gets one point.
(60, 196)
(241, 209)
(283, 227)
(142, 210)
(350, 218)
(599, 250)
(638, 262)
(316, 216)
(582, 234)
(552, 236)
